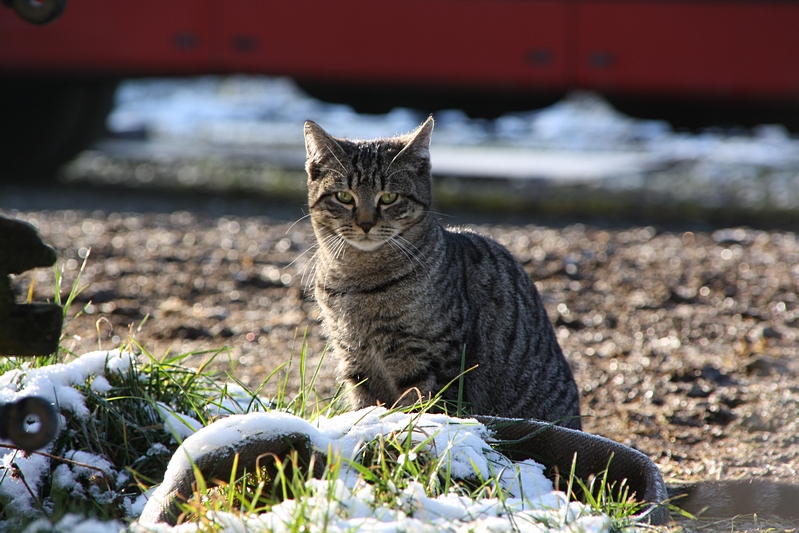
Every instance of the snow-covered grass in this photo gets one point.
(128, 416)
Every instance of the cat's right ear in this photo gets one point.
(319, 146)
(418, 141)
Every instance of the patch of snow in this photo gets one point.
(530, 502)
(16, 472)
(181, 426)
(336, 507)
(74, 524)
(56, 383)
(538, 163)
(158, 449)
(100, 385)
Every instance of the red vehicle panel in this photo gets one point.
(471, 43)
(689, 48)
(704, 48)
(112, 38)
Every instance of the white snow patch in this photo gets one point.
(18, 471)
(74, 524)
(336, 507)
(181, 426)
(56, 383)
(100, 385)
(530, 502)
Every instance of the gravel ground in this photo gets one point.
(684, 343)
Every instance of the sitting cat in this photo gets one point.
(407, 304)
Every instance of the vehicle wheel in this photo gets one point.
(39, 11)
(46, 122)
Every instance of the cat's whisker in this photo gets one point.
(297, 221)
(311, 247)
(311, 273)
(328, 242)
(335, 244)
(305, 271)
(394, 244)
(337, 160)
(415, 253)
(330, 265)
(396, 171)
(340, 250)
(408, 250)
(439, 214)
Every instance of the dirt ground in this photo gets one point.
(683, 343)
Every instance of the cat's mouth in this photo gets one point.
(366, 243)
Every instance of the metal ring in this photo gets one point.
(21, 432)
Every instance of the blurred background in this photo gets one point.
(553, 107)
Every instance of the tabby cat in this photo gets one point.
(407, 304)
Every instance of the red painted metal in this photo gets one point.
(729, 49)
(471, 43)
(703, 48)
(111, 37)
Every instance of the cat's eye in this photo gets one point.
(388, 198)
(344, 197)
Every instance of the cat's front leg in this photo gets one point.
(358, 395)
(416, 392)
(360, 390)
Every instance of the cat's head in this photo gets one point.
(368, 192)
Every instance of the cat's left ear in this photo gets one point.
(419, 140)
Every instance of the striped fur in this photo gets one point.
(403, 298)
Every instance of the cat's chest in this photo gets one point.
(358, 303)
(371, 298)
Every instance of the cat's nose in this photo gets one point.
(366, 225)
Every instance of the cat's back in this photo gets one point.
(485, 262)
(521, 370)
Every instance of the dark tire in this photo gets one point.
(39, 11)
(47, 122)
